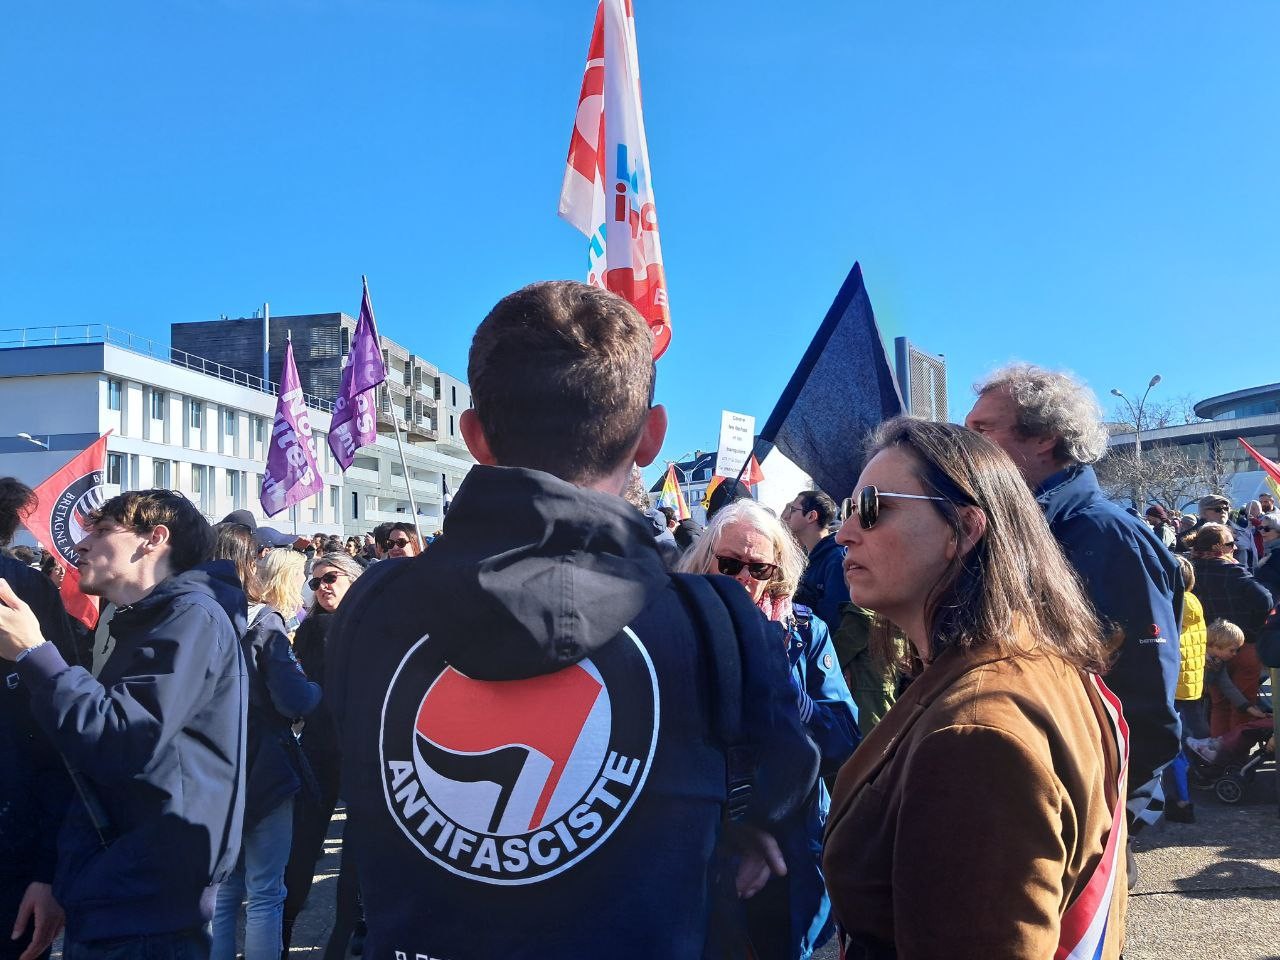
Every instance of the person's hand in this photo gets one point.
(19, 629)
(1255, 712)
(761, 859)
(39, 908)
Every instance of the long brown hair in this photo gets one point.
(1015, 574)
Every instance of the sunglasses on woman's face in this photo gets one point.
(400, 542)
(869, 504)
(329, 578)
(731, 566)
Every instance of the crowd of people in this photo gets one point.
(925, 720)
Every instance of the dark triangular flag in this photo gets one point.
(841, 391)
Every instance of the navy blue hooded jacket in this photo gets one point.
(159, 739)
(1136, 587)
(34, 786)
(822, 588)
(525, 716)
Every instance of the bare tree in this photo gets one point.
(1165, 474)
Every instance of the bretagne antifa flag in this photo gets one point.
(842, 390)
(67, 498)
(607, 193)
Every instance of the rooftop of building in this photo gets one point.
(1250, 400)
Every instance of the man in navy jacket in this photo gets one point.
(156, 742)
(1051, 427)
(809, 516)
(534, 715)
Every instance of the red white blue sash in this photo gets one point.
(1084, 925)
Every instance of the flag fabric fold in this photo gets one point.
(607, 193)
(292, 474)
(66, 499)
(1270, 467)
(752, 474)
(355, 410)
(841, 391)
(672, 496)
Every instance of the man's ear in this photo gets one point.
(652, 436)
(158, 537)
(473, 435)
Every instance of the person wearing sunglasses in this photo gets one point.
(984, 816)
(790, 916)
(400, 540)
(332, 575)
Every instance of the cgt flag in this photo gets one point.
(607, 194)
(671, 495)
(842, 390)
(65, 501)
(292, 474)
(355, 411)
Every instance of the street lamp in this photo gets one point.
(1138, 493)
(30, 439)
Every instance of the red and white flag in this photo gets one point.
(607, 192)
(58, 523)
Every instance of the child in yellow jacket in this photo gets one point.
(1191, 645)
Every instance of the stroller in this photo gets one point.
(1227, 779)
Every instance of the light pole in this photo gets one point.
(1138, 492)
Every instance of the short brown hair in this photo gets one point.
(1015, 573)
(1209, 539)
(190, 536)
(17, 500)
(562, 378)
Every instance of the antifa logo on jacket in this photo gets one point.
(515, 781)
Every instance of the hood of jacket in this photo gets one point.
(216, 579)
(1068, 491)
(539, 573)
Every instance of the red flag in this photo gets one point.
(753, 474)
(58, 523)
(1272, 470)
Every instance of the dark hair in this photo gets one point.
(408, 529)
(1015, 574)
(725, 493)
(669, 513)
(234, 542)
(24, 554)
(382, 531)
(190, 536)
(17, 500)
(47, 563)
(820, 502)
(562, 378)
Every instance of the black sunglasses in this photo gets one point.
(730, 567)
(399, 542)
(869, 504)
(330, 578)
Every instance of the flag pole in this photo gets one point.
(404, 464)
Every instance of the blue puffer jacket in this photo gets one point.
(831, 720)
(159, 738)
(1136, 586)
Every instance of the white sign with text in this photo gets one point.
(737, 437)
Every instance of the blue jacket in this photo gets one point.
(1136, 587)
(823, 588)
(527, 720)
(279, 694)
(831, 720)
(158, 739)
(34, 786)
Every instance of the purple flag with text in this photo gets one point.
(292, 474)
(355, 411)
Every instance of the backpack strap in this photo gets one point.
(718, 632)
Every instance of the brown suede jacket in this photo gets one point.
(975, 812)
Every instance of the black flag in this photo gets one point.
(842, 390)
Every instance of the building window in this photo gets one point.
(454, 391)
(231, 484)
(197, 414)
(113, 394)
(355, 505)
(197, 478)
(346, 341)
(115, 468)
(333, 503)
(160, 474)
(451, 424)
(229, 422)
(157, 404)
(257, 428)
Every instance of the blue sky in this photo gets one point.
(1090, 186)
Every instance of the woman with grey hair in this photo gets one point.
(786, 916)
(331, 577)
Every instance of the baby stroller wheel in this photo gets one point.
(1229, 790)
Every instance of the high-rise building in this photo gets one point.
(922, 378)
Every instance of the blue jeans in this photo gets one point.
(183, 945)
(259, 873)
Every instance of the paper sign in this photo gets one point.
(737, 436)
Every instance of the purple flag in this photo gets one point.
(355, 410)
(292, 474)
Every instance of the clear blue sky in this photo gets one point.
(1091, 186)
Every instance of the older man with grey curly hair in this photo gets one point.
(1050, 424)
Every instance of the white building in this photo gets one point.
(177, 421)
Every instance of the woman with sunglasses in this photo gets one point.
(785, 917)
(984, 816)
(331, 577)
(276, 773)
